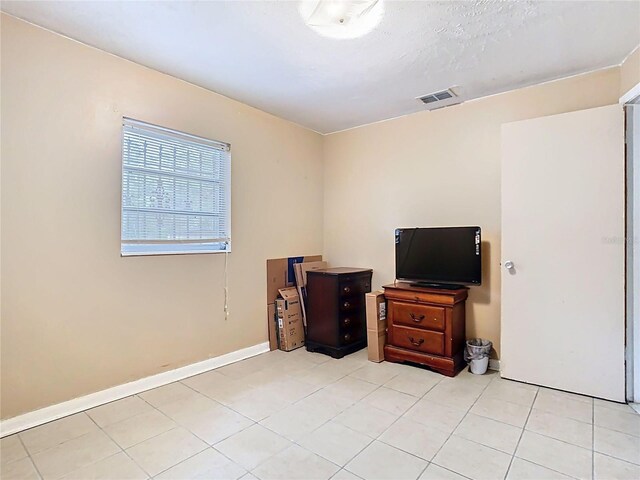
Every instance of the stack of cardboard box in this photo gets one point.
(289, 319)
(280, 274)
(376, 325)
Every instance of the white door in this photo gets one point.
(563, 227)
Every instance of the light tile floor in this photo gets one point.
(302, 415)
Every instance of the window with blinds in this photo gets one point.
(176, 192)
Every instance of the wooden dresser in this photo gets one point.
(335, 308)
(426, 326)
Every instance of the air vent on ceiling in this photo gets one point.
(437, 96)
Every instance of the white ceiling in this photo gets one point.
(263, 54)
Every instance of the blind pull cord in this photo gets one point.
(226, 286)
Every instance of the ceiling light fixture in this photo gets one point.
(342, 18)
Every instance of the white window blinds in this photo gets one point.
(176, 192)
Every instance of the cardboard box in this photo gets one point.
(272, 325)
(375, 345)
(301, 270)
(280, 274)
(376, 308)
(290, 328)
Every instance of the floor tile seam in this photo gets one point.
(135, 416)
(449, 470)
(515, 403)
(250, 470)
(549, 412)
(295, 443)
(334, 475)
(29, 456)
(616, 458)
(121, 450)
(524, 426)
(176, 464)
(67, 441)
(403, 450)
(497, 397)
(177, 424)
(220, 404)
(560, 440)
(290, 440)
(546, 466)
(19, 434)
(617, 431)
(593, 439)
(222, 439)
(371, 440)
(459, 422)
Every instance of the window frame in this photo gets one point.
(173, 248)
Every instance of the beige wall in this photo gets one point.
(437, 168)
(78, 318)
(630, 71)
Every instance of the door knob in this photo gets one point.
(508, 265)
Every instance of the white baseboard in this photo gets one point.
(494, 364)
(54, 412)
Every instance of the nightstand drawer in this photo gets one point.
(417, 339)
(418, 316)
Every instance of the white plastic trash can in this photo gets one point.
(479, 367)
(477, 354)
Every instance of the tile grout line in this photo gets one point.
(177, 425)
(377, 439)
(209, 445)
(402, 416)
(458, 424)
(295, 442)
(35, 467)
(67, 441)
(373, 439)
(524, 426)
(593, 439)
(117, 444)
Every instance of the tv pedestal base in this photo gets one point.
(426, 326)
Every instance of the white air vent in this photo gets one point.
(437, 96)
(447, 97)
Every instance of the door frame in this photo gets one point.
(630, 102)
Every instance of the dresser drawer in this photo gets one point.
(417, 339)
(350, 335)
(351, 304)
(415, 315)
(349, 321)
(354, 287)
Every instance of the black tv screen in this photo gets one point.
(443, 255)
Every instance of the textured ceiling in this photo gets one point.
(262, 54)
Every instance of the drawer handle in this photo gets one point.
(347, 337)
(346, 289)
(415, 342)
(416, 318)
(345, 304)
(346, 321)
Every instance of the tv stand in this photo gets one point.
(426, 326)
(442, 286)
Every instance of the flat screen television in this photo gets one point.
(439, 257)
